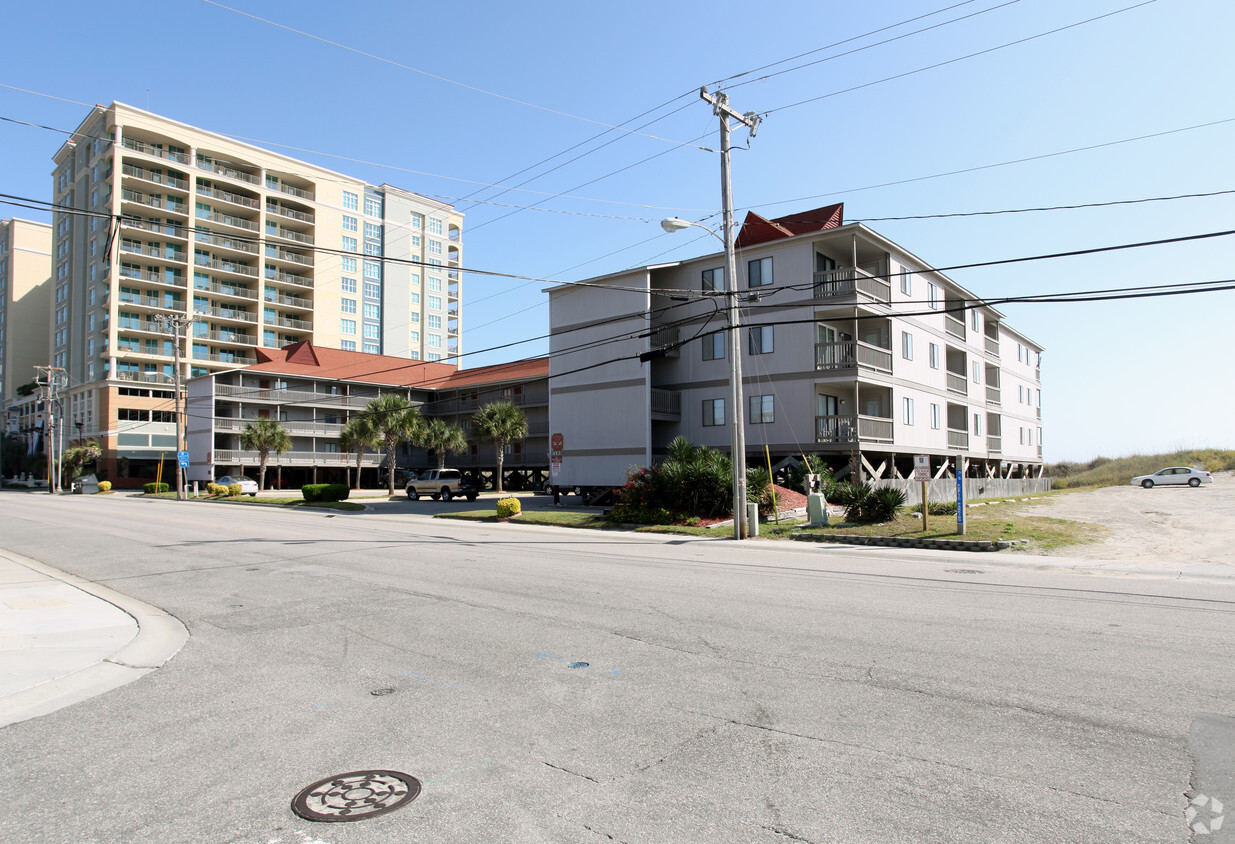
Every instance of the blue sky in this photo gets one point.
(1118, 377)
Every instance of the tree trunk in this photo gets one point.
(261, 472)
(501, 457)
(390, 468)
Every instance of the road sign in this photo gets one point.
(555, 465)
(557, 442)
(960, 496)
(182, 458)
(921, 467)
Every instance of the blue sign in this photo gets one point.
(182, 457)
(960, 501)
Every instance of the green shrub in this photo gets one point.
(848, 493)
(313, 492)
(876, 505)
(149, 489)
(104, 486)
(325, 492)
(233, 490)
(507, 507)
(215, 489)
(941, 508)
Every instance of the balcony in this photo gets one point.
(225, 266)
(993, 396)
(277, 231)
(666, 405)
(227, 220)
(225, 290)
(290, 213)
(994, 445)
(151, 302)
(225, 457)
(288, 278)
(299, 193)
(852, 429)
(130, 324)
(133, 171)
(295, 427)
(205, 163)
(133, 247)
(165, 229)
(249, 393)
(955, 326)
(286, 255)
(849, 282)
(847, 354)
(958, 384)
(154, 201)
(144, 377)
(231, 243)
(224, 313)
(228, 196)
(227, 337)
(157, 152)
(288, 322)
(666, 338)
(992, 346)
(290, 301)
(958, 439)
(238, 360)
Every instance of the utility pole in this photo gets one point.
(50, 379)
(720, 107)
(173, 323)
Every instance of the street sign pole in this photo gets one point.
(960, 494)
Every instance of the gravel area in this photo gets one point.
(1166, 524)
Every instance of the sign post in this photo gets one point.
(960, 494)
(557, 443)
(922, 473)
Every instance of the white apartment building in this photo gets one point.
(157, 218)
(852, 349)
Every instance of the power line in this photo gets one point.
(958, 59)
(440, 78)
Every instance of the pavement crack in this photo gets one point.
(572, 773)
(780, 830)
(598, 832)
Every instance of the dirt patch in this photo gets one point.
(1166, 524)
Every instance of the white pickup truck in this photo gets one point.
(440, 483)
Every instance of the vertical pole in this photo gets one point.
(925, 508)
(738, 434)
(960, 494)
(175, 324)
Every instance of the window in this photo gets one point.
(433, 340)
(414, 317)
(435, 226)
(349, 223)
(348, 264)
(932, 295)
(713, 412)
(977, 424)
(372, 230)
(759, 272)
(1020, 394)
(415, 355)
(350, 200)
(1022, 436)
(761, 340)
(1039, 436)
(974, 319)
(433, 321)
(348, 284)
(435, 247)
(372, 270)
(908, 410)
(906, 345)
(714, 279)
(714, 346)
(415, 298)
(1038, 403)
(348, 326)
(348, 345)
(935, 416)
(433, 356)
(1020, 351)
(371, 348)
(435, 284)
(371, 331)
(434, 302)
(415, 240)
(906, 282)
(371, 310)
(934, 356)
(415, 337)
(417, 221)
(374, 249)
(349, 244)
(762, 410)
(349, 306)
(372, 206)
(372, 291)
(977, 372)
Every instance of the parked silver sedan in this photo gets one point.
(1174, 475)
(248, 486)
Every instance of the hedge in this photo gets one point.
(325, 492)
(149, 489)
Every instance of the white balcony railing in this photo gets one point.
(849, 281)
(848, 353)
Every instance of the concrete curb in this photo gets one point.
(160, 636)
(903, 542)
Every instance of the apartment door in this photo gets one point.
(827, 424)
(823, 263)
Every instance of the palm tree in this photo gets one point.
(444, 438)
(501, 423)
(265, 436)
(396, 420)
(357, 435)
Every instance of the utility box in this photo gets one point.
(817, 509)
(752, 518)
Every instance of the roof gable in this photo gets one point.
(757, 230)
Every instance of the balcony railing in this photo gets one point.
(994, 445)
(992, 395)
(848, 281)
(229, 172)
(958, 439)
(168, 204)
(248, 393)
(227, 243)
(666, 337)
(224, 313)
(151, 251)
(224, 290)
(290, 301)
(992, 346)
(296, 427)
(151, 302)
(666, 403)
(288, 234)
(145, 377)
(228, 337)
(225, 266)
(157, 178)
(954, 326)
(239, 360)
(852, 429)
(848, 353)
(288, 322)
(147, 149)
(165, 229)
(285, 255)
(227, 220)
(958, 384)
(295, 191)
(292, 213)
(228, 196)
(226, 457)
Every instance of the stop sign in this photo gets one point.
(557, 442)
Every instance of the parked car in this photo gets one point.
(440, 483)
(248, 486)
(1174, 475)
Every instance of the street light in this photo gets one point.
(737, 436)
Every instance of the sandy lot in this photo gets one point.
(1169, 525)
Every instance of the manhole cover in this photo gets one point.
(963, 571)
(355, 796)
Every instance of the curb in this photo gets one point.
(160, 636)
(903, 542)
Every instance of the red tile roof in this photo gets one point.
(305, 359)
(756, 229)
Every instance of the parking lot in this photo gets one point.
(1163, 524)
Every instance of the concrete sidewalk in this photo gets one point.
(64, 640)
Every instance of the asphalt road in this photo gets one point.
(762, 692)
